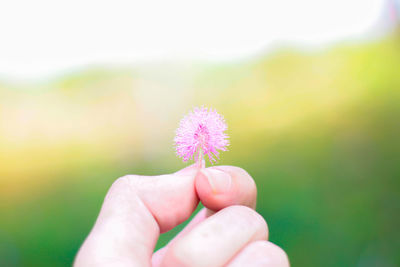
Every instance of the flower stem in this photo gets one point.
(200, 158)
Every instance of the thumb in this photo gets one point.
(135, 211)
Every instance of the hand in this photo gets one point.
(138, 208)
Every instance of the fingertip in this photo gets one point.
(246, 188)
(222, 186)
(214, 188)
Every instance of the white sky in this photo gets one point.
(43, 37)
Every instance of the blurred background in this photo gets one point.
(91, 91)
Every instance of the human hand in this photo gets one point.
(137, 209)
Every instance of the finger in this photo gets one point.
(260, 253)
(223, 186)
(242, 191)
(217, 239)
(135, 211)
(159, 254)
(210, 184)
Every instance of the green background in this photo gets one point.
(317, 130)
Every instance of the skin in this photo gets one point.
(136, 209)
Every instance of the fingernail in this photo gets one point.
(219, 181)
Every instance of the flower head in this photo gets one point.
(201, 132)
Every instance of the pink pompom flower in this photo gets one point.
(202, 131)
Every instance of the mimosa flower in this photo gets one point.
(200, 132)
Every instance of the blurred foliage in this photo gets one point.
(318, 131)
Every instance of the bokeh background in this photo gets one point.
(315, 123)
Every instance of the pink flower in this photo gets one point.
(201, 132)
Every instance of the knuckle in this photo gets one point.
(121, 186)
(123, 181)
